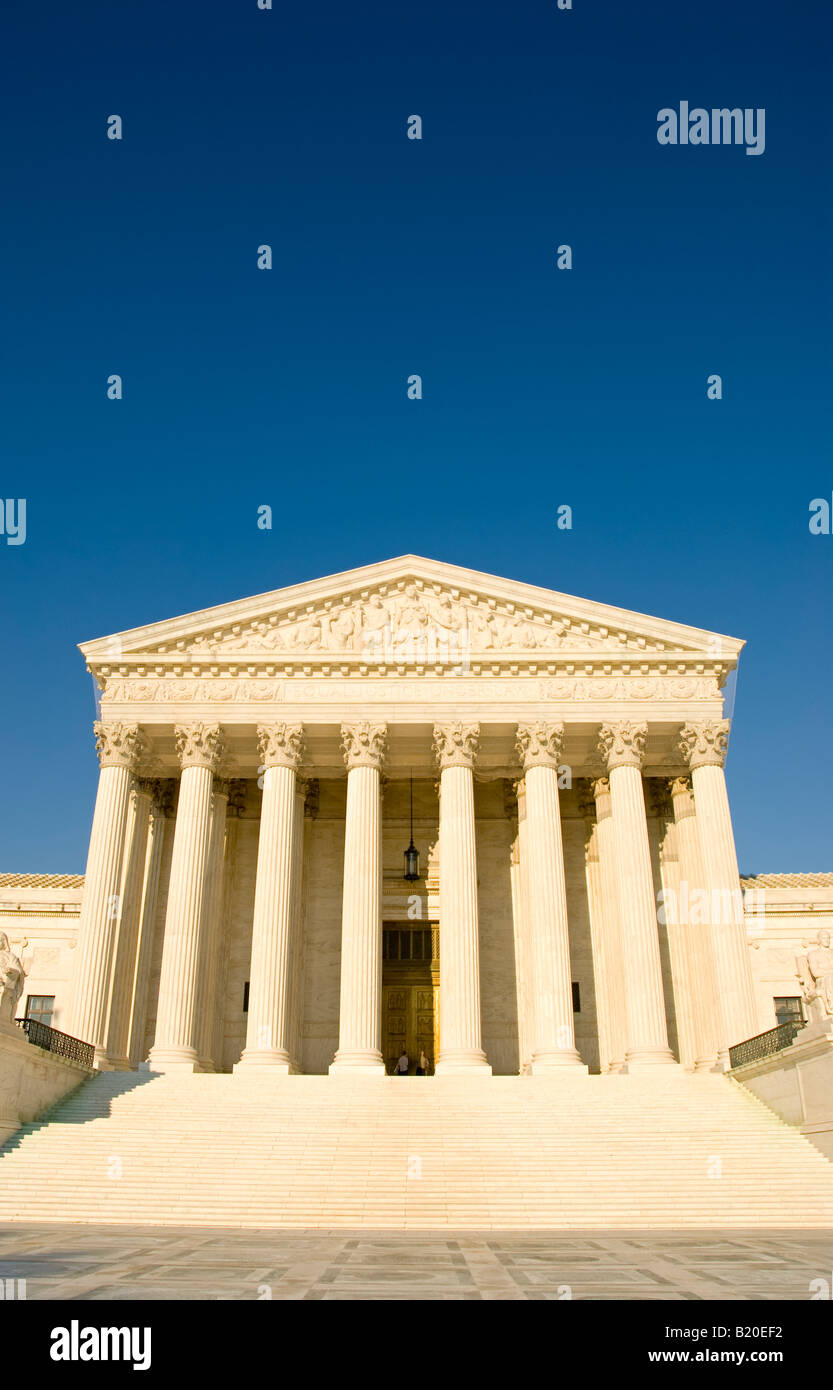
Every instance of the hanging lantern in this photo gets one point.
(412, 853)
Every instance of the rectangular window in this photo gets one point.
(246, 997)
(789, 1008)
(407, 944)
(576, 998)
(41, 1007)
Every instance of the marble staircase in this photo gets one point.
(665, 1150)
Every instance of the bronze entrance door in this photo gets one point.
(410, 990)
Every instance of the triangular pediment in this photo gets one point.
(407, 610)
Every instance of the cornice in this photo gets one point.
(564, 614)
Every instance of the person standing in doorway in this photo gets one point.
(403, 1064)
(422, 1064)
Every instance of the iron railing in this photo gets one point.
(51, 1040)
(765, 1044)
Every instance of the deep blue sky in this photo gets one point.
(391, 256)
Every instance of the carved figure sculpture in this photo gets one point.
(815, 973)
(12, 976)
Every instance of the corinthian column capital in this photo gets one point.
(119, 745)
(623, 744)
(682, 797)
(679, 786)
(199, 745)
(704, 743)
(455, 745)
(540, 745)
(280, 745)
(364, 744)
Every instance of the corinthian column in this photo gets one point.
(460, 1038)
(703, 745)
(200, 748)
(539, 749)
(212, 928)
(124, 972)
(119, 748)
(694, 928)
(608, 962)
(623, 748)
(515, 804)
(305, 799)
(160, 809)
(360, 1009)
(268, 1037)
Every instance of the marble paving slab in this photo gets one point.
(113, 1263)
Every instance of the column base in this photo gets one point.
(361, 1063)
(462, 1062)
(707, 1065)
(547, 1063)
(274, 1060)
(102, 1062)
(648, 1060)
(172, 1060)
(105, 1063)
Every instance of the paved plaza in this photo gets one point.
(72, 1262)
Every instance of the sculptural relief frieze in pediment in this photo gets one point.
(413, 623)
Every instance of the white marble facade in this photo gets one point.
(569, 805)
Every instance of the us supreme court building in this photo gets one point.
(553, 767)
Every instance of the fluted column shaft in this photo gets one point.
(119, 747)
(124, 972)
(177, 1024)
(518, 872)
(360, 1009)
(528, 1030)
(460, 1027)
(209, 966)
(624, 746)
(696, 935)
(150, 895)
(611, 960)
(705, 745)
(268, 1029)
(296, 967)
(229, 881)
(539, 746)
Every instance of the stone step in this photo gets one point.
(497, 1153)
